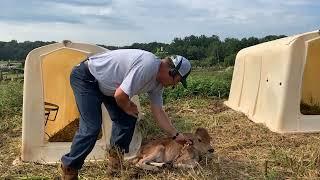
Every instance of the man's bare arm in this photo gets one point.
(125, 103)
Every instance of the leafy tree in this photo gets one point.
(202, 50)
(161, 53)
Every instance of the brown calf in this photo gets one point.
(166, 150)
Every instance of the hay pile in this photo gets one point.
(308, 109)
(67, 133)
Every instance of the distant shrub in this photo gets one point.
(203, 82)
(217, 85)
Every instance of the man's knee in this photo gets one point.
(90, 131)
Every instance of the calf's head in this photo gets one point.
(201, 141)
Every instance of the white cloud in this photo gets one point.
(123, 22)
(102, 10)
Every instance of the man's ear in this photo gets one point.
(177, 76)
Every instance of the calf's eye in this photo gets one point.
(199, 140)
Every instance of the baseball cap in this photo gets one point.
(184, 69)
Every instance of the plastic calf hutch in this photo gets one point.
(49, 105)
(275, 82)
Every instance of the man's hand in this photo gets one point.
(181, 139)
(131, 109)
(125, 103)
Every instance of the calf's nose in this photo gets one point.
(211, 150)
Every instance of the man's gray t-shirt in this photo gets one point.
(133, 70)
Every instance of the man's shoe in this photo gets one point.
(68, 173)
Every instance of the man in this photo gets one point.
(112, 78)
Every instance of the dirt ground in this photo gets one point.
(243, 149)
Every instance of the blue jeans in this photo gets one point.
(89, 99)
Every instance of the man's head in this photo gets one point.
(173, 70)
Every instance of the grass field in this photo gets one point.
(243, 149)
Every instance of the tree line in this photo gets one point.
(201, 50)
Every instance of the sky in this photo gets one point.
(123, 22)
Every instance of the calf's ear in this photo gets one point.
(202, 133)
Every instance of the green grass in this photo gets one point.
(10, 75)
(10, 98)
(202, 82)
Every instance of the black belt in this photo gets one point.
(85, 62)
(86, 67)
